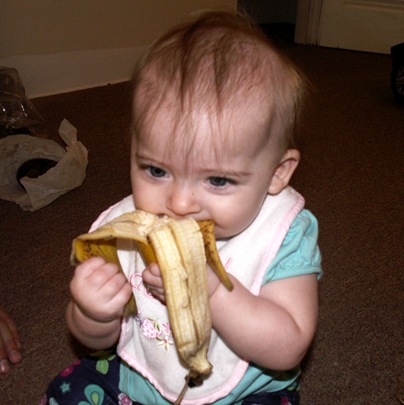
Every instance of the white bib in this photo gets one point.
(146, 342)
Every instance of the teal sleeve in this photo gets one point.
(299, 253)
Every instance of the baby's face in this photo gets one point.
(226, 183)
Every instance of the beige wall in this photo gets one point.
(60, 46)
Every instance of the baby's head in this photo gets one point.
(211, 91)
(218, 65)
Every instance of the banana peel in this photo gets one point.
(181, 248)
(136, 226)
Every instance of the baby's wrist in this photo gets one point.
(92, 333)
(84, 317)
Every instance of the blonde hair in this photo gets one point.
(213, 62)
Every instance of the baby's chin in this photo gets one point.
(224, 234)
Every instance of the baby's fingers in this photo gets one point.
(111, 298)
(94, 286)
(116, 289)
(87, 268)
(92, 275)
(152, 276)
(153, 282)
(122, 296)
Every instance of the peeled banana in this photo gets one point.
(181, 248)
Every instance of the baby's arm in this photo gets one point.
(99, 295)
(274, 329)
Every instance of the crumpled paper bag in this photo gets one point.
(69, 173)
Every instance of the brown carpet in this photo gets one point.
(351, 176)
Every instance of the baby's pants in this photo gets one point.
(94, 380)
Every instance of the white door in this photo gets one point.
(363, 25)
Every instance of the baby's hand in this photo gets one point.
(153, 282)
(100, 290)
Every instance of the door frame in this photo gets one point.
(308, 14)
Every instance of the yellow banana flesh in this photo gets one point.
(181, 248)
(188, 236)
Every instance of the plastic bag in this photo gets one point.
(34, 193)
(17, 114)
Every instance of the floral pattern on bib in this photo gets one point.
(155, 329)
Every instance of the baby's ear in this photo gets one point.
(284, 171)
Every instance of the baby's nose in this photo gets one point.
(182, 202)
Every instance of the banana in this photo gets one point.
(181, 248)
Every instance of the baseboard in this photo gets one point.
(44, 75)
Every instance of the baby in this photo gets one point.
(215, 106)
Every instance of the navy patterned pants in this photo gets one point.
(94, 380)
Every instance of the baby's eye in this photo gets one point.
(156, 171)
(219, 181)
